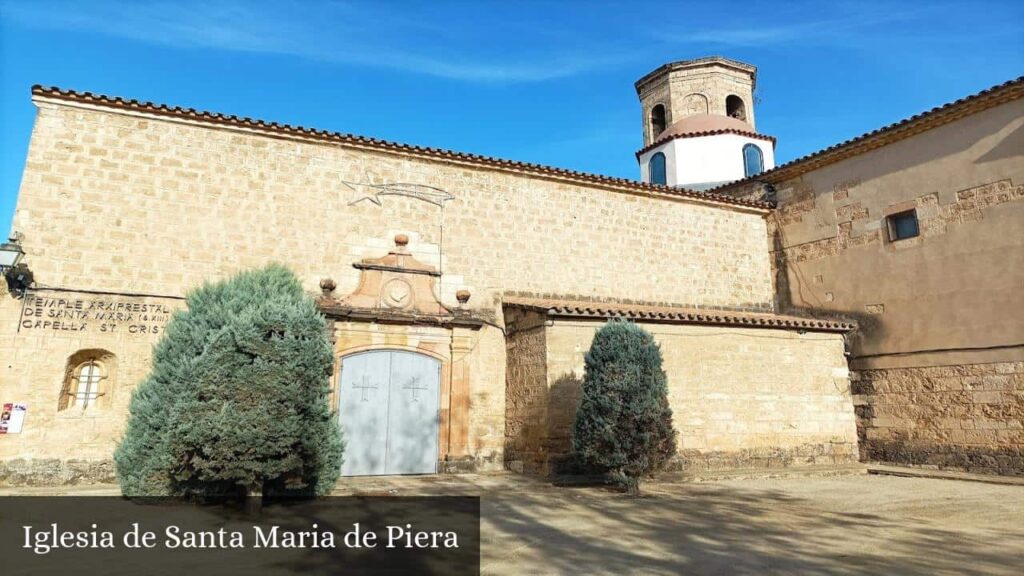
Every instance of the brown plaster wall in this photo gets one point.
(946, 304)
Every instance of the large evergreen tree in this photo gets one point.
(624, 424)
(237, 397)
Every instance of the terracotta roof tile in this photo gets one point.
(704, 125)
(676, 315)
(617, 184)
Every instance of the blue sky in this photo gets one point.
(541, 82)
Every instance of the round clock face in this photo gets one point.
(397, 294)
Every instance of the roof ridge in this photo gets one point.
(513, 165)
(1014, 89)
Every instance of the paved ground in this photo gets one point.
(856, 524)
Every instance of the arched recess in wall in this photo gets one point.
(735, 108)
(695, 104)
(656, 167)
(658, 120)
(753, 160)
(88, 380)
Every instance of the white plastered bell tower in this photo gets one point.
(698, 124)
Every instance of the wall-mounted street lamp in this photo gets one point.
(19, 277)
(10, 253)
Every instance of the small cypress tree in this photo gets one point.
(623, 424)
(237, 397)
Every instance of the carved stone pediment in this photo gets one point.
(396, 282)
(396, 288)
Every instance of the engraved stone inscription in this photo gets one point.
(96, 314)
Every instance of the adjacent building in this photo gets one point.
(916, 232)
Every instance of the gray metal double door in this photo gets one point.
(389, 413)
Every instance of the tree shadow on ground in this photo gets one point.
(704, 529)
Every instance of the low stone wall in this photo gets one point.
(55, 472)
(836, 452)
(741, 398)
(964, 417)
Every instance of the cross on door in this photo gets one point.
(410, 385)
(364, 386)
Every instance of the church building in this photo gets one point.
(463, 291)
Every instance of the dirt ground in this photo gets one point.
(856, 524)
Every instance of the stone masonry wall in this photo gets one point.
(133, 204)
(965, 417)
(741, 398)
(111, 201)
(526, 394)
(701, 90)
(69, 445)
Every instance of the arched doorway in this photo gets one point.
(388, 407)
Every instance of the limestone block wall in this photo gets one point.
(41, 334)
(715, 84)
(699, 88)
(126, 202)
(969, 417)
(527, 395)
(741, 397)
(122, 201)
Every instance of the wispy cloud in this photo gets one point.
(344, 33)
(845, 26)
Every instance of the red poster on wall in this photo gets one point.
(12, 418)
(5, 418)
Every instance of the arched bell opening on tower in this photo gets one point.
(657, 120)
(735, 108)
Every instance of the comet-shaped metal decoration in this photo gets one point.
(373, 192)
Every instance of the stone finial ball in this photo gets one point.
(401, 240)
(328, 285)
(462, 296)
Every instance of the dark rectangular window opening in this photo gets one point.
(902, 225)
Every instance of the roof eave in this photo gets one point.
(696, 62)
(668, 139)
(668, 315)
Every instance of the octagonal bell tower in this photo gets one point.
(698, 124)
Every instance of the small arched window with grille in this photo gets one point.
(86, 381)
(753, 160)
(87, 384)
(656, 166)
